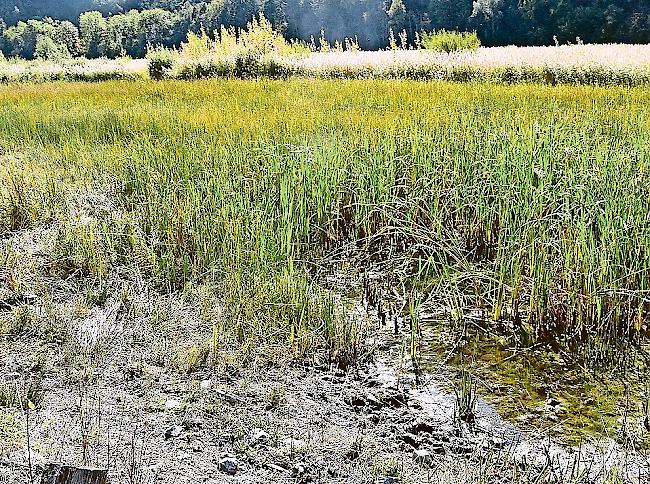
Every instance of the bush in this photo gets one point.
(197, 46)
(249, 44)
(161, 62)
(450, 41)
(203, 69)
(253, 52)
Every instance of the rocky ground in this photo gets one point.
(116, 374)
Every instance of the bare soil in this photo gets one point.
(115, 373)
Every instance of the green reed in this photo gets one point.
(529, 203)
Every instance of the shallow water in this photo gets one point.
(531, 441)
(546, 390)
(598, 460)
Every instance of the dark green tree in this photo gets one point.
(397, 18)
(93, 34)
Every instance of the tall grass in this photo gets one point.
(449, 41)
(254, 51)
(528, 204)
(201, 57)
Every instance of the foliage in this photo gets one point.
(160, 62)
(196, 46)
(527, 68)
(611, 65)
(256, 51)
(47, 49)
(259, 38)
(66, 36)
(445, 41)
(397, 19)
(138, 25)
(93, 32)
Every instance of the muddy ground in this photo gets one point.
(118, 374)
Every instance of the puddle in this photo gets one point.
(595, 456)
(547, 391)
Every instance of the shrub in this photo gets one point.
(258, 39)
(450, 41)
(197, 46)
(161, 62)
(256, 51)
(203, 69)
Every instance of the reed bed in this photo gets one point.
(602, 65)
(526, 204)
(84, 70)
(613, 56)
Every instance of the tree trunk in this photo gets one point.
(58, 474)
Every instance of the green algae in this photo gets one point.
(549, 390)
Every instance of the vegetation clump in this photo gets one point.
(256, 51)
(450, 41)
(161, 62)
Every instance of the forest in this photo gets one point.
(110, 28)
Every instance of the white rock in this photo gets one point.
(172, 404)
(292, 445)
(423, 456)
(259, 437)
(173, 432)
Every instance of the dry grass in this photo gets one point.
(571, 64)
(620, 56)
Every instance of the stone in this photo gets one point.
(410, 439)
(553, 405)
(332, 471)
(172, 404)
(552, 402)
(292, 445)
(205, 384)
(420, 426)
(395, 399)
(228, 465)
(192, 423)
(58, 474)
(498, 442)
(438, 448)
(415, 404)
(387, 480)
(298, 470)
(423, 456)
(173, 432)
(259, 437)
(355, 401)
(276, 467)
(373, 400)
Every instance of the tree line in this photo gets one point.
(96, 28)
